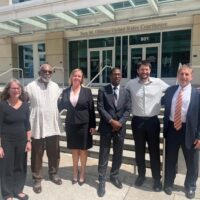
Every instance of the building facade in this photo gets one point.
(95, 42)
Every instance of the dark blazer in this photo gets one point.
(192, 118)
(108, 111)
(83, 112)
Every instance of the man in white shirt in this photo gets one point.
(146, 93)
(43, 95)
(182, 129)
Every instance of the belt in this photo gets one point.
(145, 118)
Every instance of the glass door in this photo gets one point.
(98, 60)
(94, 65)
(150, 53)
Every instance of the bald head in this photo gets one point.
(44, 66)
(45, 72)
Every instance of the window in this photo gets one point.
(78, 55)
(101, 42)
(31, 55)
(19, 1)
(26, 60)
(175, 50)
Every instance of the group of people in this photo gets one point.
(30, 121)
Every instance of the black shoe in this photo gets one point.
(190, 194)
(168, 190)
(116, 182)
(101, 189)
(25, 197)
(139, 181)
(74, 181)
(37, 188)
(81, 182)
(157, 186)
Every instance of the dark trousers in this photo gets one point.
(147, 129)
(51, 144)
(14, 167)
(105, 144)
(175, 140)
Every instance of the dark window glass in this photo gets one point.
(118, 52)
(19, 1)
(101, 42)
(78, 55)
(26, 60)
(41, 47)
(124, 56)
(175, 50)
(144, 38)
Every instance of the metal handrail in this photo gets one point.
(14, 69)
(98, 74)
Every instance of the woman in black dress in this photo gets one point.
(15, 141)
(80, 122)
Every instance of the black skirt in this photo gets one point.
(78, 136)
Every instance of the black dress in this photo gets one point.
(79, 119)
(14, 124)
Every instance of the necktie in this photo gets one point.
(178, 109)
(115, 94)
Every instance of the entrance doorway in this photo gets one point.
(148, 52)
(98, 59)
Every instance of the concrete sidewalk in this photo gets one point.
(88, 191)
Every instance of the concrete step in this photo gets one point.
(129, 145)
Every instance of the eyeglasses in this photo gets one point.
(47, 71)
(15, 88)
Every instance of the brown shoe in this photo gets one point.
(37, 188)
(55, 179)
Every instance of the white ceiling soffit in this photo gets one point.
(34, 23)
(20, 10)
(106, 12)
(9, 28)
(67, 18)
(153, 5)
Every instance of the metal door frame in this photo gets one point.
(101, 60)
(143, 47)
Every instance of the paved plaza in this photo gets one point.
(88, 191)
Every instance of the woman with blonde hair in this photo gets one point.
(80, 122)
(15, 140)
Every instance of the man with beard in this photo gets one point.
(146, 93)
(114, 106)
(43, 95)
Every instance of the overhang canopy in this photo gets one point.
(52, 15)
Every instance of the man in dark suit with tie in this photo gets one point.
(182, 129)
(114, 107)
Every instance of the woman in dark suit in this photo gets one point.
(80, 122)
(15, 141)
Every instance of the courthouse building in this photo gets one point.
(96, 35)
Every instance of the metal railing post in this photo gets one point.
(14, 69)
(98, 74)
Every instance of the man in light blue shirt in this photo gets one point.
(146, 93)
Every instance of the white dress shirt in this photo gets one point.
(185, 102)
(146, 97)
(116, 90)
